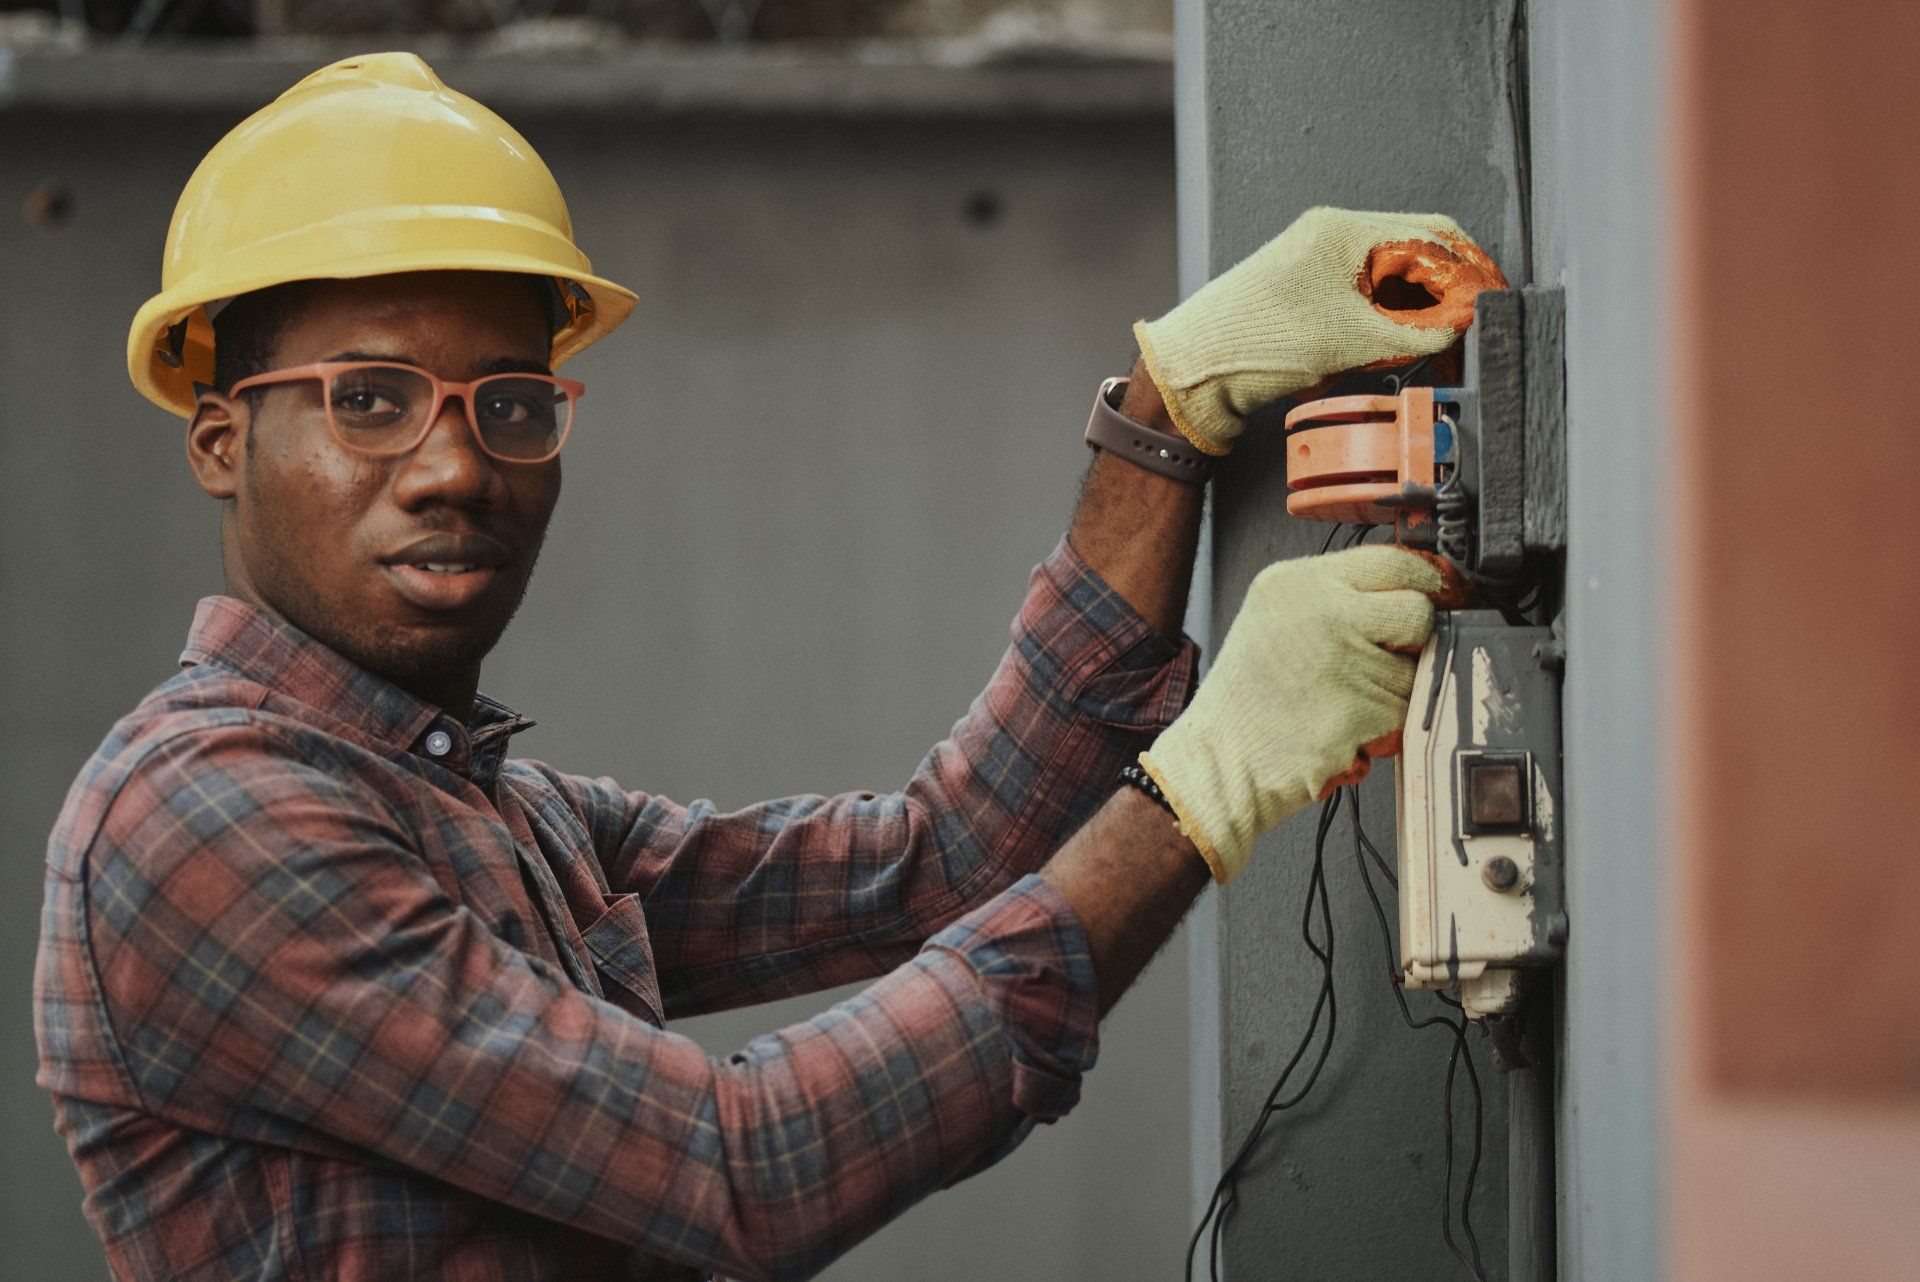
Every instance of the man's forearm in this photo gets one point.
(1129, 874)
(1138, 529)
(1130, 877)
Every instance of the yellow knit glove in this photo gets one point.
(1301, 689)
(1328, 294)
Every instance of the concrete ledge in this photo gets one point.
(1126, 78)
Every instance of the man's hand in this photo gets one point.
(1312, 674)
(1336, 291)
(1315, 672)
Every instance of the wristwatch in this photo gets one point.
(1163, 452)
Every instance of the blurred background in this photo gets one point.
(724, 21)
(885, 250)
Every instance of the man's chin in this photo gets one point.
(431, 656)
(439, 661)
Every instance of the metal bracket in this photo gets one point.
(1513, 448)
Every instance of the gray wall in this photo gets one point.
(1600, 91)
(785, 560)
(1342, 102)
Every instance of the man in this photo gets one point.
(329, 986)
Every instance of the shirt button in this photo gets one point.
(439, 743)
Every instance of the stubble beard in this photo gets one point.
(424, 661)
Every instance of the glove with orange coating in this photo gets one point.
(1304, 687)
(1329, 294)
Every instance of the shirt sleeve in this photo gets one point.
(799, 894)
(279, 966)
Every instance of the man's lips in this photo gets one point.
(440, 589)
(445, 571)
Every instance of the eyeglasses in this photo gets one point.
(383, 409)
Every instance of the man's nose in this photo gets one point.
(448, 466)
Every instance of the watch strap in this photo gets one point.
(1163, 452)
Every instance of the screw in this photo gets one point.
(1501, 873)
(982, 208)
(48, 205)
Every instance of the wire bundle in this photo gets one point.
(1318, 907)
(1226, 1191)
(1458, 1056)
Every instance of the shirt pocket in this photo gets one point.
(623, 956)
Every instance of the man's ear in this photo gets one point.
(216, 436)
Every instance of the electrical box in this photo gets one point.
(1479, 799)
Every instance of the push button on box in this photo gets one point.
(1495, 792)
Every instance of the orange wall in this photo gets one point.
(1795, 1087)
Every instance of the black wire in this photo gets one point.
(1360, 835)
(1316, 893)
(1471, 1257)
(1463, 1055)
(1519, 125)
(1399, 382)
(1226, 1189)
(1355, 536)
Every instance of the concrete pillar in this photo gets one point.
(1369, 104)
(1599, 113)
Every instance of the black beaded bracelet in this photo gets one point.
(1133, 775)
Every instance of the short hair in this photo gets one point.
(247, 331)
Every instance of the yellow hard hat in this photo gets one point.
(368, 166)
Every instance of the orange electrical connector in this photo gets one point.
(1364, 460)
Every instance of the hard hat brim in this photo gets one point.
(171, 387)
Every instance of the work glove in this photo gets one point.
(1326, 295)
(1312, 681)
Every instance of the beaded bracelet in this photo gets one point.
(1133, 775)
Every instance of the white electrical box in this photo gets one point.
(1479, 824)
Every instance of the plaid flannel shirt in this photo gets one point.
(328, 987)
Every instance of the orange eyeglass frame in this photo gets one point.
(327, 371)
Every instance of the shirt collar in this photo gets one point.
(242, 638)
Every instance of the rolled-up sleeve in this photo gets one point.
(802, 893)
(279, 966)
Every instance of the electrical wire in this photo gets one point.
(1516, 78)
(1226, 1189)
(1400, 380)
(1470, 1258)
(1453, 521)
(1366, 843)
(1316, 892)
(1225, 1195)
